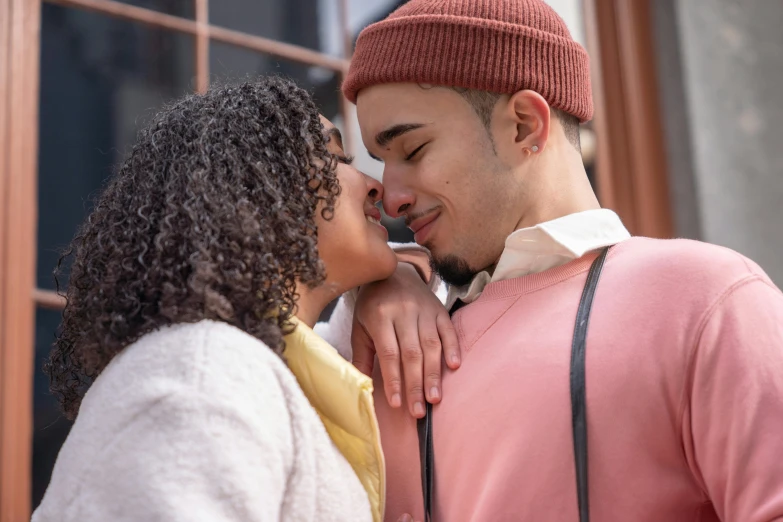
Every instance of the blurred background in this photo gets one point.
(687, 139)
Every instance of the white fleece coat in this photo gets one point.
(200, 422)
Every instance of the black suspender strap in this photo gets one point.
(427, 456)
(426, 451)
(578, 405)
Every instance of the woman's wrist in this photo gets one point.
(420, 262)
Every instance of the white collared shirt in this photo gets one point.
(544, 246)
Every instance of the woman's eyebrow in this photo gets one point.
(338, 136)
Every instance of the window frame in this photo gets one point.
(20, 25)
(631, 162)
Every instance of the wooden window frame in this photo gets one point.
(204, 33)
(20, 26)
(200, 25)
(19, 51)
(630, 165)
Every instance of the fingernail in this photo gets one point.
(396, 400)
(434, 392)
(418, 409)
(455, 359)
(406, 518)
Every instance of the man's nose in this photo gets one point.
(396, 200)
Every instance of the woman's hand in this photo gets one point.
(402, 322)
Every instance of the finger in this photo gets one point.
(407, 331)
(405, 518)
(363, 350)
(432, 353)
(388, 352)
(449, 340)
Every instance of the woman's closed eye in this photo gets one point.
(344, 158)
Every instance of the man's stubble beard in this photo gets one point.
(452, 269)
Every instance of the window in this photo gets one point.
(105, 66)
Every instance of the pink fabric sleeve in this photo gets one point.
(733, 409)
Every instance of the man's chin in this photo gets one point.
(452, 269)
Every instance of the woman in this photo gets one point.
(186, 347)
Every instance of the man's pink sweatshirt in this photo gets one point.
(684, 396)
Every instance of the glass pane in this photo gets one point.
(100, 78)
(183, 8)
(314, 24)
(230, 63)
(49, 426)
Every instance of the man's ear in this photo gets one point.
(529, 112)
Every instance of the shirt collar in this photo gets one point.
(546, 245)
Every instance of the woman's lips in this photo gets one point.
(373, 217)
(373, 213)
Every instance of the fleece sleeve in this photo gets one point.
(191, 457)
(734, 412)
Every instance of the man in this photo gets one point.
(474, 106)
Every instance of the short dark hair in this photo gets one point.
(483, 102)
(211, 216)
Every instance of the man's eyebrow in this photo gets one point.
(334, 131)
(386, 136)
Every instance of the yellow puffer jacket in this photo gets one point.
(342, 396)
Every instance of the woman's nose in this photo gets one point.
(374, 189)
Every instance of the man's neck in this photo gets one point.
(564, 189)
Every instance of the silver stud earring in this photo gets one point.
(534, 148)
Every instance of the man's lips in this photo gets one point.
(421, 222)
(422, 226)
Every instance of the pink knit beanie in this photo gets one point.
(501, 46)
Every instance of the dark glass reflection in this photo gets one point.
(314, 24)
(183, 8)
(101, 77)
(49, 426)
(228, 63)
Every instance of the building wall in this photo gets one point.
(728, 121)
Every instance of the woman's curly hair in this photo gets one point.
(211, 216)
